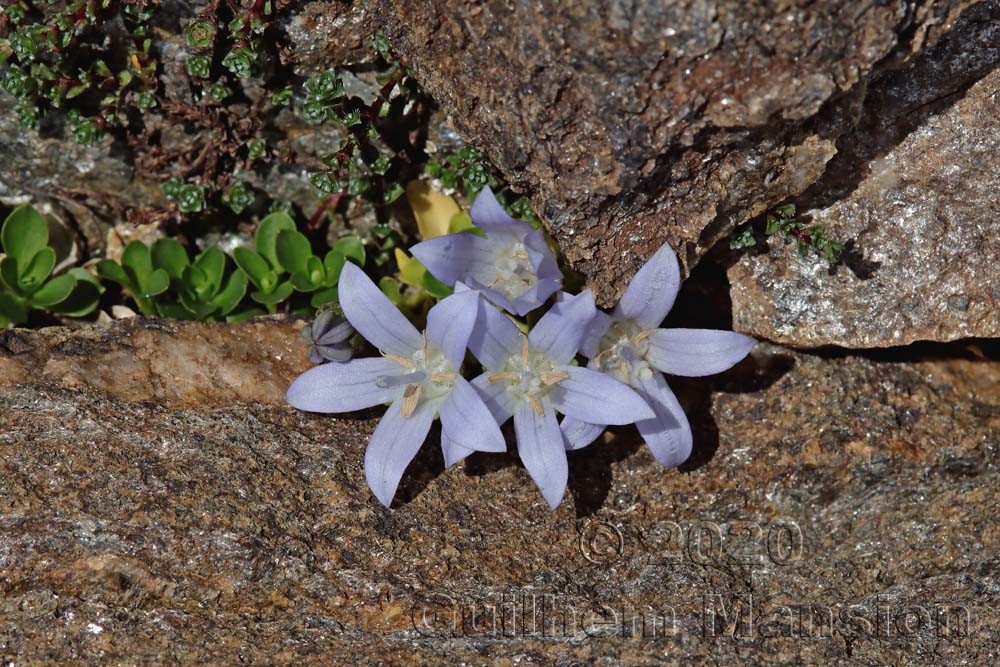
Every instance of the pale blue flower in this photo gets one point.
(531, 378)
(512, 265)
(417, 374)
(328, 338)
(628, 345)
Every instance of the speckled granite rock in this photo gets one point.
(637, 122)
(914, 189)
(857, 522)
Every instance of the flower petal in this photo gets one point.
(650, 295)
(559, 333)
(592, 395)
(488, 215)
(542, 257)
(590, 347)
(454, 257)
(495, 396)
(468, 422)
(540, 446)
(452, 451)
(669, 434)
(578, 434)
(697, 352)
(343, 387)
(450, 323)
(373, 315)
(533, 297)
(495, 338)
(332, 332)
(394, 443)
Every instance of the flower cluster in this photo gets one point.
(530, 376)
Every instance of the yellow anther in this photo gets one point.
(643, 335)
(402, 361)
(502, 377)
(535, 404)
(411, 396)
(444, 376)
(524, 350)
(553, 377)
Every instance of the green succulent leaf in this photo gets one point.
(213, 263)
(33, 275)
(293, 251)
(84, 297)
(231, 295)
(197, 285)
(24, 233)
(390, 287)
(244, 314)
(169, 255)
(351, 247)
(8, 274)
(156, 283)
(323, 297)
(256, 268)
(11, 311)
(112, 270)
(267, 233)
(333, 263)
(54, 291)
(435, 287)
(137, 262)
(279, 294)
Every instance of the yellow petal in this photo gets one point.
(411, 271)
(432, 209)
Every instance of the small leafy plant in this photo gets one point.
(784, 222)
(26, 280)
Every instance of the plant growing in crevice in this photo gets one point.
(784, 223)
(26, 280)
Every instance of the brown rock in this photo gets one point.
(857, 521)
(914, 190)
(635, 123)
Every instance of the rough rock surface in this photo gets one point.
(914, 190)
(857, 522)
(634, 123)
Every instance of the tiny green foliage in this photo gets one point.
(238, 197)
(783, 222)
(26, 280)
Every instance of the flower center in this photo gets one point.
(529, 376)
(514, 274)
(623, 352)
(428, 374)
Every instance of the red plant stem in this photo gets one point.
(329, 202)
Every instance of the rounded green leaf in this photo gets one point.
(323, 297)
(33, 275)
(11, 311)
(8, 274)
(24, 233)
(255, 266)
(435, 287)
(136, 259)
(244, 314)
(390, 287)
(280, 293)
(351, 247)
(213, 263)
(293, 251)
(169, 255)
(84, 297)
(196, 283)
(231, 295)
(156, 283)
(302, 282)
(112, 270)
(267, 235)
(54, 291)
(333, 263)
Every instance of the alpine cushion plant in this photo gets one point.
(628, 345)
(511, 265)
(530, 377)
(417, 375)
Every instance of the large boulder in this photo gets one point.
(159, 503)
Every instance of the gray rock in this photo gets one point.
(161, 505)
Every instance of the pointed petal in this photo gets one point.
(454, 257)
(450, 323)
(468, 422)
(332, 332)
(669, 434)
(373, 315)
(540, 446)
(494, 296)
(452, 451)
(488, 215)
(495, 338)
(592, 395)
(559, 332)
(697, 352)
(591, 345)
(495, 396)
(394, 443)
(533, 297)
(542, 257)
(578, 434)
(652, 291)
(343, 387)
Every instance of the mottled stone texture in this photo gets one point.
(914, 190)
(638, 122)
(221, 531)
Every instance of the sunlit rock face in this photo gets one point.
(914, 191)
